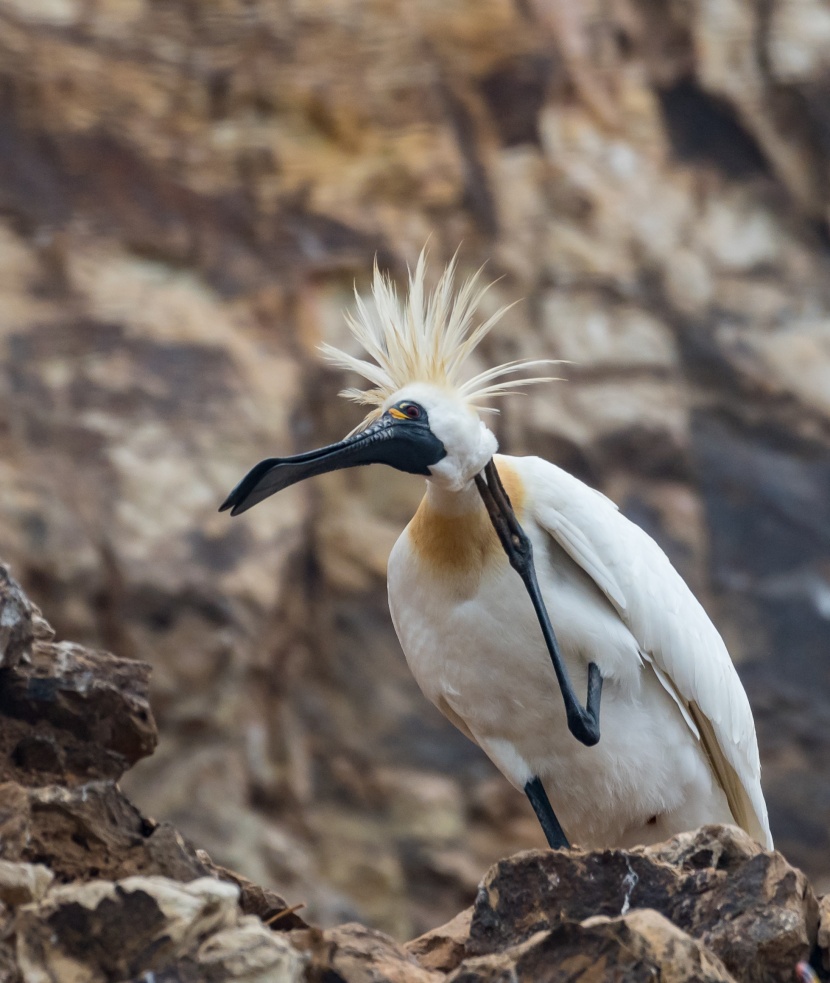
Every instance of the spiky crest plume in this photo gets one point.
(426, 338)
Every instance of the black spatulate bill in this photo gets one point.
(403, 444)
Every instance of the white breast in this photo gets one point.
(476, 650)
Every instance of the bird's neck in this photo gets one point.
(452, 536)
(443, 501)
(451, 533)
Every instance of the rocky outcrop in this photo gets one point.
(753, 911)
(538, 916)
(79, 715)
(127, 929)
(92, 891)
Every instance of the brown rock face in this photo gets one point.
(187, 193)
(70, 715)
(91, 890)
(92, 831)
(80, 715)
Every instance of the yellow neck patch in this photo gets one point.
(463, 545)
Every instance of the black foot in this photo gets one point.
(554, 833)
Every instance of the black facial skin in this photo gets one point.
(401, 438)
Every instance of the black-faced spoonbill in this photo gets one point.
(496, 543)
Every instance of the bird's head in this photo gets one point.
(447, 424)
(425, 418)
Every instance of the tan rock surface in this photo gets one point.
(360, 955)
(140, 926)
(443, 948)
(642, 945)
(22, 883)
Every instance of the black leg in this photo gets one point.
(583, 722)
(554, 834)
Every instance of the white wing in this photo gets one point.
(673, 631)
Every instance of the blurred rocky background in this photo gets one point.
(188, 192)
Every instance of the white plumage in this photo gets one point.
(678, 746)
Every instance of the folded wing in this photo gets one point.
(673, 631)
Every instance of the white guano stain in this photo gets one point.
(630, 881)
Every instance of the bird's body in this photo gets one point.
(472, 641)
(479, 620)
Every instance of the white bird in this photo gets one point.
(678, 746)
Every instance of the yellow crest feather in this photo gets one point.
(426, 338)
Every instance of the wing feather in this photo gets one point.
(673, 631)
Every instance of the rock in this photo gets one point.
(22, 883)
(723, 848)
(95, 831)
(129, 929)
(537, 890)
(622, 336)
(364, 870)
(69, 714)
(91, 890)
(823, 938)
(791, 362)
(248, 952)
(16, 631)
(162, 908)
(106, 929)
(761, 921)
(422, 805)
(360, 955)
(89, 831)
(798, 41)
(443, 948)
(8, 964)
(642, 945)
(267, 905)
(754, 911)
(74, 715)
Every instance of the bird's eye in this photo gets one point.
(412, 411)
